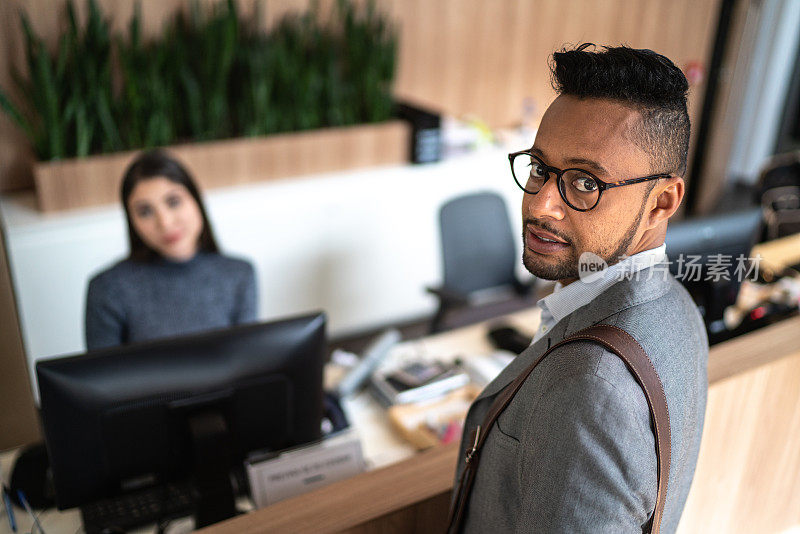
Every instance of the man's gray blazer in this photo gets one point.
(574, 451)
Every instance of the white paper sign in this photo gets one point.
(308, 468)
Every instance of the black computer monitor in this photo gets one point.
(183, 408)
(731, 235)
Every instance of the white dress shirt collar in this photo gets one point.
(566, 299)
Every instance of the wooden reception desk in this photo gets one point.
(746, 480)
(748, 472)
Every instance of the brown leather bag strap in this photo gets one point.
(626, 347)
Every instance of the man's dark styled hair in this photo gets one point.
(641, 78)
(158, 164)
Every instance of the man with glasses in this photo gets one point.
(574, 451)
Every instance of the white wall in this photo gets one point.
(360, 245)
(768, 71)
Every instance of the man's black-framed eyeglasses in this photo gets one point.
(580, 189)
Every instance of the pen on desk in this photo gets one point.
(28, 509)
(9, 510)
(7, 503)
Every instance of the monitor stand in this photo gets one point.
(212, 460)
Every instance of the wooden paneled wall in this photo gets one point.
(465, 57)
(485, 58)
(19, 422)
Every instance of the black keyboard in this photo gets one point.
(139, 508)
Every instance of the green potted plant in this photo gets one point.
(238, 102)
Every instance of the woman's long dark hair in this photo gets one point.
(158, 164)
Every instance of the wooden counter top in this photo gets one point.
(413, 495)
(754, 349)
(428, 476)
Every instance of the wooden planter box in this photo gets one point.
(76, 183)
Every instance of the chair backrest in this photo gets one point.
(478, 248)
(782, 170)
(781, 211)
(779, 190)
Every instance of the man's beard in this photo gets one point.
(569, 268)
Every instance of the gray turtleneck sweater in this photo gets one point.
(136, 301)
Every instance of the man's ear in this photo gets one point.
(664, 200)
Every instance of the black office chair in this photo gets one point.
(478, 252)
(779, 196)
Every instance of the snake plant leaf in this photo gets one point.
(107, 122)
(211, 73)
(12, 111)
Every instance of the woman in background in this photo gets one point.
(174, 280)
